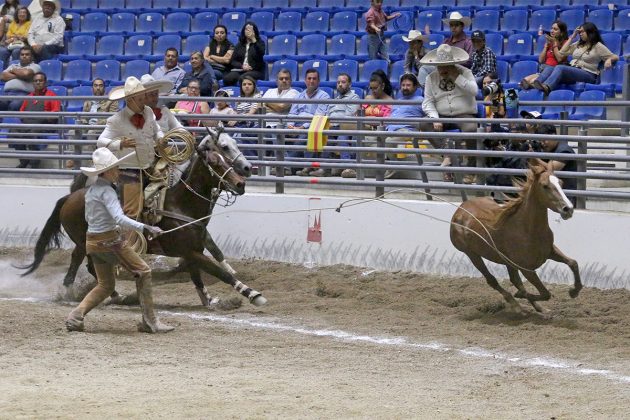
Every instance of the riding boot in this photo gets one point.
(150, 322)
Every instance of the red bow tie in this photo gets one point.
(158, 113)
(137, 120)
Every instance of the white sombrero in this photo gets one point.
(445, 55)
(457, 17)
(132, 87)
(415, 35)
(105, 160)
(149, 82)
(55, 2)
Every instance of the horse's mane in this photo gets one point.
(512, 204)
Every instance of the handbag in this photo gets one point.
(15, 45)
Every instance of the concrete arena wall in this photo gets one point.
(373, 235)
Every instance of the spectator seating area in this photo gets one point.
(113, 39)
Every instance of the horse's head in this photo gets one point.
(550, 188)
(221, 142)
(226, 177)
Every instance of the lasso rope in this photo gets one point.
(170, 150)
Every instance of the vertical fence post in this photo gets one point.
(280, 158)
(625, 95)
(380, 159)
(581, 167)
(359, 139)
(423, 174)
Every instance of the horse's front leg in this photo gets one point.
(211, 268)
(557, 255)
(217, 254)
(195, 275)
(537, 283)
(515, 278)
(492, 282)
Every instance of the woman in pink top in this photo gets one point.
(550, 55)
(193, 107)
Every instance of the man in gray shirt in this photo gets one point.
(18, 79)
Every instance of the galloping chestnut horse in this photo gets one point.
(186, 201)
(516, 234)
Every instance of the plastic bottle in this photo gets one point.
(540, 30)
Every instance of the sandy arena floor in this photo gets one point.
(334, 342)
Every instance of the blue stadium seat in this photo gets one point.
(110, 45)
(316, 22)
(278, 65)
(542, 17)
(369, 67)
(564, 95)
(494, 41)
(344, 21)
(498, 3)
(515, 20)
(626, 46)
(178, 22)
(289, 21)
(94, 22)
(530, 95)
(79, 46)
(357, 4)
(403, 23)
(441, 3)
(362, 49)
(341, 46)
(350, 67)
(222, 4)
(122, 22)
(108, 70)
(275, 4)
(234, 21)
(111, 4)
(165, 4)
(503, 70)
(193, 4)
(320, 65)
(469, 3)
(555, 3)
(137, 4)
(413, 3)
(433, 18)
(610, 81)
(572, 17)
(602, 18)
(52, 69)
(519, 44)
(136, 68)
(77, 72)
(83, 4)
(359, 91)
(397, 47)
(398, 69)
(264, 20)
(527, 3)
(596, 112)
(167, 41)
(248, 4)
(282, 46)
(194, 43)
(234, 91)
(137, 45)
(612, 40)
(311, 47)
(623, 21)
(149, 22)
(435, 40)
(519, 70)
(204, 21)
(486, 20)
(76, 105)
(329, 4)
(59, 91)
(303, 4)
(583, 2)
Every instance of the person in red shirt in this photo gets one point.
(375, 26)
(40, 83)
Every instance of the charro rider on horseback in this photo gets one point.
(133, 127)
(107, 247)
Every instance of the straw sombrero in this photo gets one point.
(445, 55)
(104, 160)
(457, 17)
(415, 35)
(132, 87)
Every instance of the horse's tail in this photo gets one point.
(49, 238)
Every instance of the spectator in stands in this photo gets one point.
(458, 38)
(45, 35)
(550, 55)
(248, 90)
(375, 26)
(18, 79)
(163, 115)
(202, 72)
(193, 107)
(408, 92)
(450, 93)
(170, 71)
(283, 91)
(7, 14)
(16, 36)
(484, 61)
(219, 52)
(415, 52)
(588, 53)
(549, 145)
(35, 105)
(93, 106)
(379, 87)
(344, 92)
(222, 108)
(508, 162)
(312, 91)
(248, 56)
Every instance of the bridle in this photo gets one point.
(215, 146)
(222, 184)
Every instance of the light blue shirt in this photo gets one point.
(406, 111)
(308, 110)
(103, 212)
(175, 75)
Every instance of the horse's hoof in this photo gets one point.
(574, 293)
(537, 306)
(259, 300)
(520, 294)
(115, 300)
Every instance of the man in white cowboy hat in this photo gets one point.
(457, 23)
(45, 35)
(415, 52)
(163, 115)
(450, 93)
(133, 127)
(106, 246)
